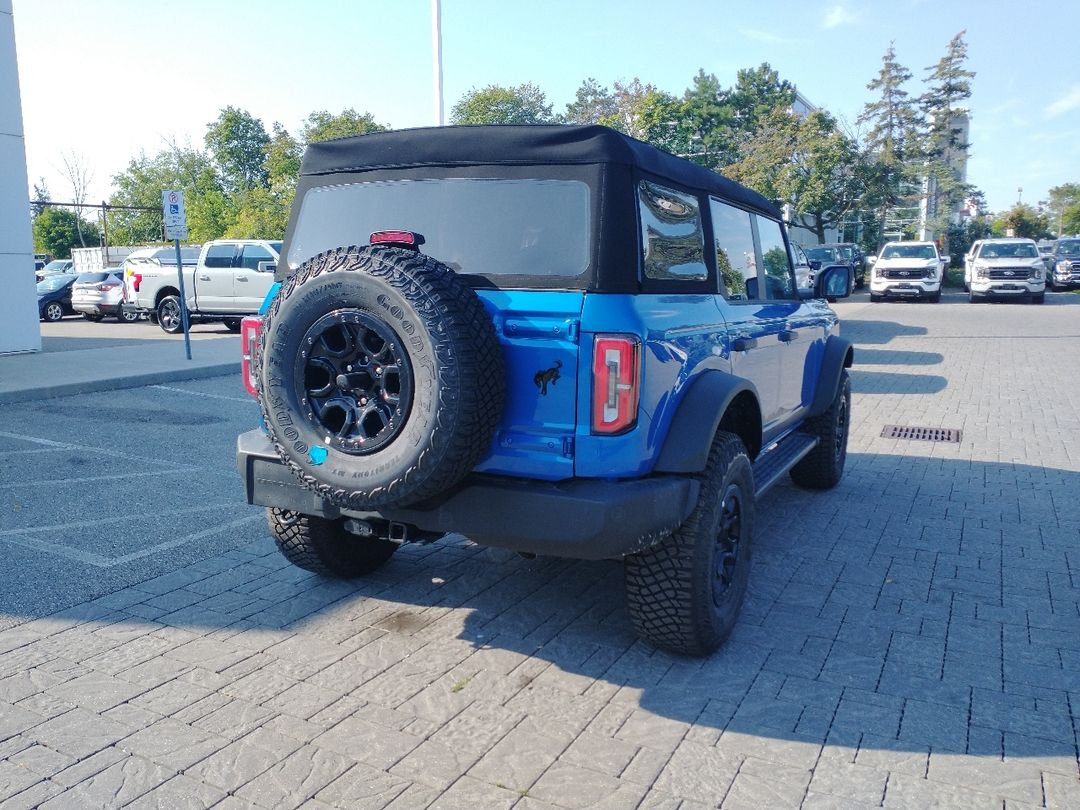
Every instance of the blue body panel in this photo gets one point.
(547, 339)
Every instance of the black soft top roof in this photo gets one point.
(516, 145)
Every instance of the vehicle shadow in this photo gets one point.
(924, 604)
(878, 332)
(897, 357)
(890, 382)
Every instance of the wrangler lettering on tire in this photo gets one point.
(381, 376)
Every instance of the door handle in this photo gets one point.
(241, 278)
(204, 278)
(743, 344)
(788, 335)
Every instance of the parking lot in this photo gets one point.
(910, 638)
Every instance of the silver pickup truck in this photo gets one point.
(229, 280)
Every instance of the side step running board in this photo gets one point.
(778, 458)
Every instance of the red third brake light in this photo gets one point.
(616, 383)
(404, 239)
(250, 330)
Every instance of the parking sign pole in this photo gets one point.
(172, 207)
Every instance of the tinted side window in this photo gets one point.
(735, 256)
(253, 254)
(671, 235)
(220, 255)
(779, 280)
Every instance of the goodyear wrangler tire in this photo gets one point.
(381, 377)
(684, 593)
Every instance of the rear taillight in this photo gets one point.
(250, 330)
(616, 382)
(402, 239)
(136, 280)
(112, 285)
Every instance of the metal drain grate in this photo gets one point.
(921, 434)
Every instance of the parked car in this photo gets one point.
(557, 340)
(1066, 264)
(54, 296)
(100, 294)
(1005, 268)
(54, 267)
(907, 270)
(822, 256)
(228, 281)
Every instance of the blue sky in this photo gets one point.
(108, 78)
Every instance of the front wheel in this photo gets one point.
(935, 297)
(168, 313)
(684, 593)
(232, 324)
(1038, 298)
(823, 466)
(324, 547)
(875, 298)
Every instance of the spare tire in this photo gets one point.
(381, 378)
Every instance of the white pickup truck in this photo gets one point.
(229, 280)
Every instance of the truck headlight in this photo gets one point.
(981, 271)
(1063, 266)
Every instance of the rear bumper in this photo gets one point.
(581, 518)
(95, 308)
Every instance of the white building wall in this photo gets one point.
(20, 330)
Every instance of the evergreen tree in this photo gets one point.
(891, 140)
(944, 143)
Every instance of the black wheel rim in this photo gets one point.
(728, 543)
(169, 314)
(354, 381)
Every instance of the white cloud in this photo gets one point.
(837, 16)
(1069, 101)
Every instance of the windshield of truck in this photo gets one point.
(476, 226)
(1008, 250)
(1068, 246)
(908, 252)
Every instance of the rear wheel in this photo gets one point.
(324, 547)
(168, 313)
(685, 592)
(823, 466)
(127, 315)
(53, 312)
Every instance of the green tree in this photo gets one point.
(283, 156)
(237, 142)
(41, 196)
(944, 145)
(891, 141)
(209, 209)
(757, 93)
(805, 163)
(1062, 206)
(524, 104)
(324, 126)
(707, 122)
(592, 104)
(1022, 220)
(57, 231)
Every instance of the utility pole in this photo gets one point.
(436, 60)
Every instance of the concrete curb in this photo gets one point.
(116, 383)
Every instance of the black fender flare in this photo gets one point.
(698, 417)
(839, 354)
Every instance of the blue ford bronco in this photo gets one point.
(556, 340)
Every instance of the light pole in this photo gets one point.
(436, 60)
(1019, 194)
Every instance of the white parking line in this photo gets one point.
(55, 446)
(250, 400)
(99, 561)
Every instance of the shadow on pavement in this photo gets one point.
(891, 382)
(923, 604)
(897, 357)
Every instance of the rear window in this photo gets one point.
(92, 278)
(477, 226)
